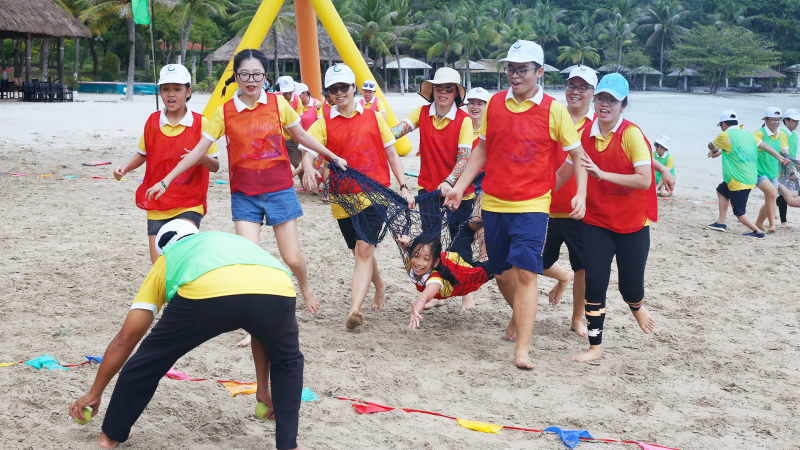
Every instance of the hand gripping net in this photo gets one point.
(385, 211)
(789, 183)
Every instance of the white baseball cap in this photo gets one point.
(525, 51)
(174, 73)
(793, 114)
(588, 75)
(772, 111)
(727, 115)
(286, 84)
(299, 88)
(478, 94)
(173, 231)
(369, 85)
(339, 73)
(664, 141)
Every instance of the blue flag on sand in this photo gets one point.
(97, 359)
(308, 395)
(571, 438)
(46, 361)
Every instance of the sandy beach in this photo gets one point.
(720, 372)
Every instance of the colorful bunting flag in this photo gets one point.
(480, 426)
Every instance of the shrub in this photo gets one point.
(111, 63)
(106, 75)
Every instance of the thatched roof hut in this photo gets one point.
(287, 47)
(40, 19)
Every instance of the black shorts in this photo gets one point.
(564, 231)
(370, 223)
(738, 199)
(154, 225)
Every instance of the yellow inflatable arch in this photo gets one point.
(305, 11)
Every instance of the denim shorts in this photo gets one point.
(272, 208)
(761, 178)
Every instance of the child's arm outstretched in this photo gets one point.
(136, 161)
(188, 161)
(416, 308)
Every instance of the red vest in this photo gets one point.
(608, 205)
(309, 117)
(439, 149)
(519, 151)
(358, 140)
(326, 108)
(189, 189)
(295, 101)
(561, 202)
(373, 106)
(257, 156)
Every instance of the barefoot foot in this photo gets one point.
(558, 291)
(467, 303)
(511, 330)
(646, 323)
(310, 299)
(380, 297)
(594, 353)
(244, 342)
(523, 361)
(106, 442)
(579, 328)
(355, 319)
(785, 225)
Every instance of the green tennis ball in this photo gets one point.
(261, 411)
(87, 412)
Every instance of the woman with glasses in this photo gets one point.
(620, 204)
(365, 139)
(262, 190)
(445, 143)
(369, 101)
(771, 142)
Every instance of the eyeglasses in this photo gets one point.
(607, 100)
(580, 88)
(510, 71)
(333, 90)
(445, 89)
(773, 119)
(256, 76)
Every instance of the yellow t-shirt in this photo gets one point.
(319, 131)
(562, 130)
(228, 280)
(381, 106)
(215, 128)
(723, 142)
(174, 130)
(464, 136)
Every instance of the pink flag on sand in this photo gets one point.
(371, 408)
(177, 375)
(653, 447)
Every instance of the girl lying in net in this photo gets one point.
(439, 274)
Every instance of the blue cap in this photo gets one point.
(615, 84)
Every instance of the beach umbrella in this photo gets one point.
(794, 69)
(569, 69)
(645, 71)
(685, 73)
(613, 68)
(549, 68)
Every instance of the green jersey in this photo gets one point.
(665, 161)
(768, 165)
(742, 161)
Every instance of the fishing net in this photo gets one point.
(789, 184)
(377, 211)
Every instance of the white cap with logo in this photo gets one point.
(727, 115)
(772, 111)
(664, 141)
(174, 73)
(525, 51)
(793, 114)
(299, 88)
(478, 93)
(286, 84)
(339, 73)
(587, 74)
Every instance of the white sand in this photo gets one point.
(720, 371)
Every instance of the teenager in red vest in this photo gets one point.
(445, 143)
(620, 204)
(369, 100)
(287, 86)
(309, 109)
(166, 136)
(262, 190)
(366, 141)
(523, 133)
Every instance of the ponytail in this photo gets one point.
(445, 271)
(227, 82)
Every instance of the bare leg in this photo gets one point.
(526, 296)
(579, 304)
(362, 275)
(467, 302)
(770, 207)
(563, 277)
(251, 231)
(723, 208)
(748, 223)
(380, 287)
(153, 252)
(289, 247)
(507, 286)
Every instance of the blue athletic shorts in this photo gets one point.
(272, 208)
(738, 199)
(515, 239)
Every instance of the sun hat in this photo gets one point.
(443, 75)
(664, 141)
(173, 231)
(586, 74)
(772, 111)
(339, 73)
(793, 114)
(525, 51)
(478, 93)
(299, 88)
(369, 85)
(285, 84)
(615, 84)
(174, 73)
(727, 115)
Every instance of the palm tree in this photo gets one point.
(247, 10)
(477, 27)
(441, 37)
(619, 33)
(188, 10)
(74, 8)
(661, 20)
(545, 18)
(730, 13)
(101, 14)
(364, 21)
(503, 11)
(579, 50)
(400, 26)
(506, 37)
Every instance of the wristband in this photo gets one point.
(448, 182)
(419, 300)
(165, 186)
(402, 186)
